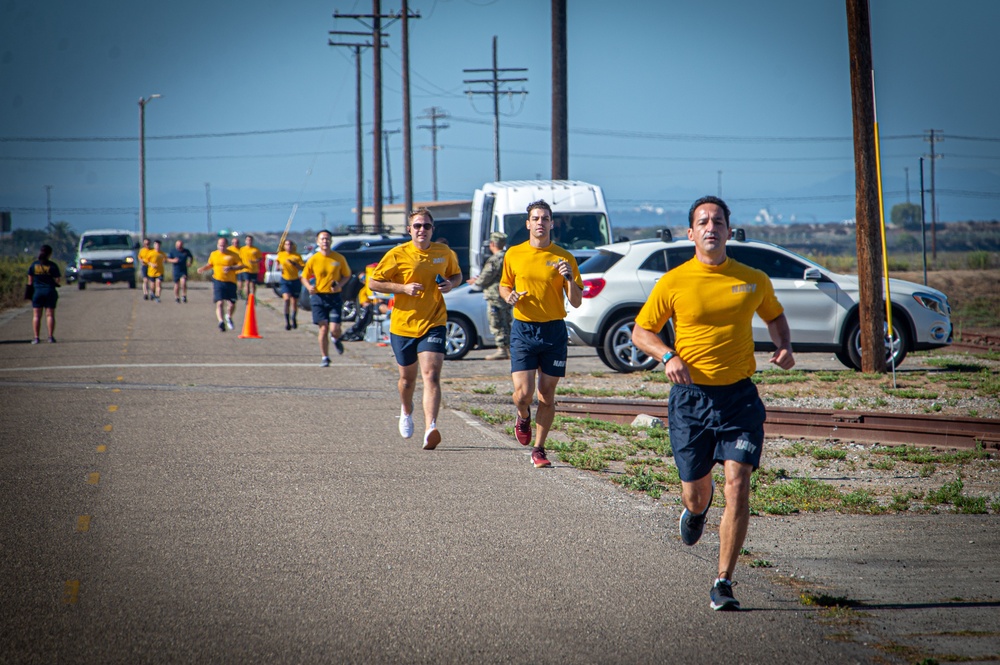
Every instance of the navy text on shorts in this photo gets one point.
(710, 424)
(406, 348)
(538, 346)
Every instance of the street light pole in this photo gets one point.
(142, 163)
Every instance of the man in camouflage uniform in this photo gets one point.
(499, 311)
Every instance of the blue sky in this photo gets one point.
(663, 96)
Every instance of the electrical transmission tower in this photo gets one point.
(496, 86)
(434, 114)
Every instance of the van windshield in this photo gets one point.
(570, 230)
(99, 242)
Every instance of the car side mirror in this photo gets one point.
(812, 275)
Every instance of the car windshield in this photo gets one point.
(106, 242)
(571, 230)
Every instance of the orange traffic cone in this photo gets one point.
(250, 320)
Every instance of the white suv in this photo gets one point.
(821, 306)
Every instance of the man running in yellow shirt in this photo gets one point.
(324, 276)
(291, 287)
(537, 275)
(224, 263)
(143, 257)
(155, 263)
(714, 412)
(250, 256)
(419, 273)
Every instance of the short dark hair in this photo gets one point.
(702, 201)
(419, 212)
(44, 252)
(540, 203)
(324, 231)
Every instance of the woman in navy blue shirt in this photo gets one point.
(44, 276)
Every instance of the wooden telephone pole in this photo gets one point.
(871, 308)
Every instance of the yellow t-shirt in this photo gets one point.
(154, 263)
(326, 270)
(712, 308)
(219, 260)
(251, 259)
(144, 253)
(532, 269)
(413, 316)
(291, 264)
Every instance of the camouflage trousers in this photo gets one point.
(500, 315)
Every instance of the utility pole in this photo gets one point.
(405, 16)
(906, 170)
(388, 170)
(933, 137)
(142, 163)
(923, 220)
(869, 243)
(359, 188)
(373, 22)
(560, 105)
(208, 204)
(434, 114)
(494, 85)
(48, 204)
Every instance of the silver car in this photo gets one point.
(821, 306)
(468, 322)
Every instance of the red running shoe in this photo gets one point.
(539, 459)
(522, 430)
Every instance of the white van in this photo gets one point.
(578, 210)
(106, 256)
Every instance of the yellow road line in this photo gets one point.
(71, 592)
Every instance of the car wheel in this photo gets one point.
(894, 354)
(81, 285)
(304, 303)
(277, 290)
(348, 310)
(131, 284)
(621, 354)
(459, 338)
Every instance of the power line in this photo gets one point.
(657, 136)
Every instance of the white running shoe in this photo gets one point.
(229, 322)
(405, 424)
(432, 438)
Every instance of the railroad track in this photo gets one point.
(977, 343)
(863, 426)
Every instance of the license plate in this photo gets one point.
(107, 275)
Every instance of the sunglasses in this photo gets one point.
(418, 226)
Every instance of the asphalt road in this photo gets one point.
(171, 493)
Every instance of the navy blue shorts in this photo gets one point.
(44, 298)
(247, 277)
(223, 291)
(406, 348)
(178, 274)
(538, 346)
(710, 424)
(292, 287)
(145, 269)
(325, 307)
